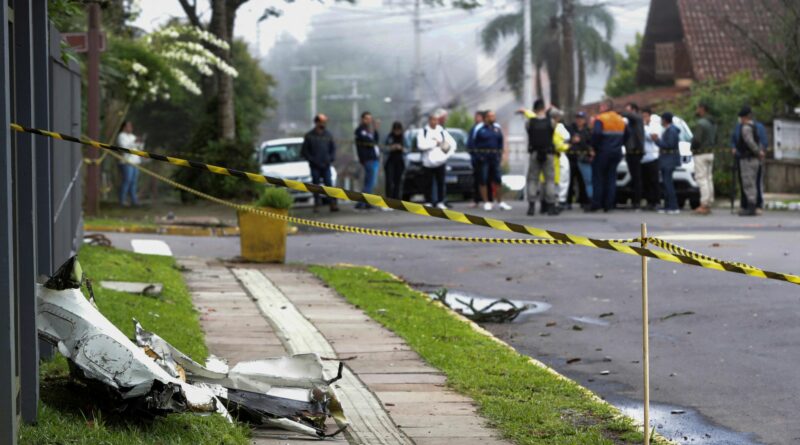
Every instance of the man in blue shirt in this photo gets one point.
(490, 139)
(669, 158)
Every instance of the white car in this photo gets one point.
(280, 158)
(685, 185)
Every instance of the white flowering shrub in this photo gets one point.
(155, 65)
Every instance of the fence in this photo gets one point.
(40, 194)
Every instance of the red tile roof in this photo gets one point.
(715, 47)
(646, 98)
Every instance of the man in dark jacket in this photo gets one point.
(763, 141)
(703, 142)
(580, 160)
(542, 153)
(608, 135)
(319, 149)
(634, 150)
(368, 154)
(750, 153)
(669, 158)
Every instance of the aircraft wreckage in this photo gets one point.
(150, 377)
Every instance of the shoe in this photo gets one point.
(487, 206)
(504, 206)
(544, 208)
(673, 212)
(553, 210)
(334, 207)
(702, 210)
(427, 204)
(531, 208)
(441, 205)
(759, 211)
(474, 205)
(662, 211)
(749, 211)
(386, 209)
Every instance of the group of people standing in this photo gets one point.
(574, 162)
(593, 148)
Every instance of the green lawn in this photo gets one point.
(527, 403)
(69, 414)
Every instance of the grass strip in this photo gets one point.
(70, 413)
(525, 402)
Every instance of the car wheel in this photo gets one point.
(694, 202)
(681, 202)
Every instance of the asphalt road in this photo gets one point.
(724, 347)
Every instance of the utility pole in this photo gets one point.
(416, 75)
(527, 78)
(567, 66)
(354, 95)
(93, 108)
(313, 69)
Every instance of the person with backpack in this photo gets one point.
(763, 141)
(750, 154)
(542, 159)
(436, 145)
(608, 135)
(703, 143)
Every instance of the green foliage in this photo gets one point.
(623, 80)
(725, 99)
(169, 124)
(67, 415)
(252, 90)
(67, 15)
(275, 197)
(527, 403)
(460, 118)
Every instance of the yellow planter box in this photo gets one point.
(263, 239)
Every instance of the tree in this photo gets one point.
(152, 67)
(592, 29)
(780, 54)
(623, 80)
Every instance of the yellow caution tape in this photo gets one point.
(451, 215)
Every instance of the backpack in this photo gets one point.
(540, 135)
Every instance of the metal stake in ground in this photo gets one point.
(645, 341)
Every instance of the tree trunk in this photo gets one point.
(552, 54)
(581, 76)
(222, 26)
(539, 90)
(567, 66)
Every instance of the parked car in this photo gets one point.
(685, 185)
(459, 177)
(281, 158)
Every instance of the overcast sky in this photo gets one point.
(630, 15)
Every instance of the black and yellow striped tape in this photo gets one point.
(418, 209)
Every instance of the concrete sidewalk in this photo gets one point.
(389, 394)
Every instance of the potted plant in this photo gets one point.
(262, 238)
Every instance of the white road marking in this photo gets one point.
(704, 237)
(151, 247)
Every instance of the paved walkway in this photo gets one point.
(389, 394)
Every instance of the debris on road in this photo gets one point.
(605, 372)
(153, 378)
(677, 411)
(606, 314)
(498, 311)
(573, 360)
(576, 328)
(676, 314)
(97, 239)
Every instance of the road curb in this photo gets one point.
(165, 230)
(655, 438)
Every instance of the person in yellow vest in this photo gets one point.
(560, 166)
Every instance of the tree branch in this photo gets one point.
(191, 12)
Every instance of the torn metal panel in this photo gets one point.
(98, 351)
(288, 392)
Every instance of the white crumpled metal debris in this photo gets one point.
(102, 353)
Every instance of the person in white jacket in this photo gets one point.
(651, 185)
(129, 175)
(436, 145)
